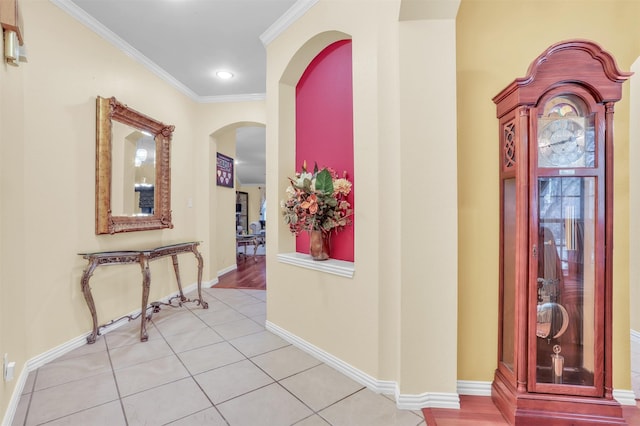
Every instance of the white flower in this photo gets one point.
(341, 186)
(290, 191)
(302, 177)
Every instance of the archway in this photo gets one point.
(242, 144)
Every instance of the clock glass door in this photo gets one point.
(569, 262)
(566, 276)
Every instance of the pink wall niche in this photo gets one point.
(324, 128)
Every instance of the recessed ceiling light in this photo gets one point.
(225, 75)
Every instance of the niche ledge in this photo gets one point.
(330, 266)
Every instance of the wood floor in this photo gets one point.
(474, 410)
(480, 411)
(250, 274)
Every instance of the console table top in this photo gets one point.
(133, 252)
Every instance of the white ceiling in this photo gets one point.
(250, 155)
(186, 41)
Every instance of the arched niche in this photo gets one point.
(286, 135)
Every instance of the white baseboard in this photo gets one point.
(623, 396)
(15, 398)
(428, 400)
(474, 388)
(226, 270)
(403, 401)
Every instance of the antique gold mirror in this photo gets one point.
(133, 171)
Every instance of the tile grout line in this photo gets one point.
(33, 386)
(115, 381)
(251, 355)
(189, 372)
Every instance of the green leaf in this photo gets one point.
(324, 182)
(306, 185)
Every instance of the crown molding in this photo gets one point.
(294, 13)
(90, 22)
(231, 98)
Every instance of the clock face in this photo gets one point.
(561, 144)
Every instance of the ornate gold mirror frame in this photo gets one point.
(109, 110)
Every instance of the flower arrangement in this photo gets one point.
(317, 201)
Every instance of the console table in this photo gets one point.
(244, 241)
(141, 257)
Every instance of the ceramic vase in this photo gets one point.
(319, 247)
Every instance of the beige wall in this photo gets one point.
(428, 190)
(217, 124)
(13, 292)
(496, 43)
(48, 152)
(47, 113)
(421, 309)
(224, 220)
(396, 319)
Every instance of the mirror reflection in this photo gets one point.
(133, 186)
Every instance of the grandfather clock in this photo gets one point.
(556, 239)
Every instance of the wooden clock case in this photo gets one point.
(522, 388)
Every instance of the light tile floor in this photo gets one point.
(216, 366)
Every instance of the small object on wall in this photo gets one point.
(224, 171)
(11, 23)
(10, 18)
(11, 48)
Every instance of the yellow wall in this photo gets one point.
(497, 40)
(634, 198)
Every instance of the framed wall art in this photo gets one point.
(224, 171)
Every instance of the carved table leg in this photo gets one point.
(86, 291)
(204, 304)
(255, 248)
(174, 257)
(146, 284)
